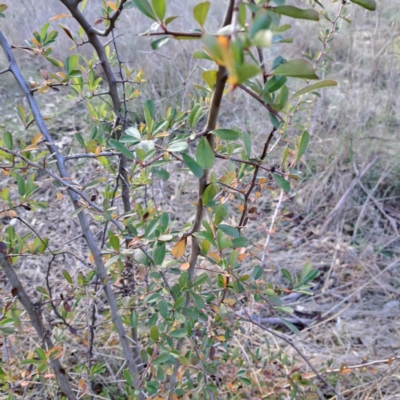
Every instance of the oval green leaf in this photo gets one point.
(205, 156)
(368, 4)
(297, 68)
(294, 12)
(315, 86)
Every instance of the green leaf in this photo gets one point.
(121, 148)
(163, 308)
(170, 19)
(205, 156)
(246, 72)
(133, 319)
(290, 326)
(202, 278)
(159, 254)
(201, 54)
(71, 63)
(263, 38)
(162, 358)
(220, 214)
(67, 276)
(193, 166)
(262, 22)
(54, 61)
(287, 275)
(200, 12)
(210, 77)
(178, 333)
(156, 44)
(197, 300)
(297, 68)
(21, 185)
(294, 12)
(8, 140)
(3, 7)
(227, 134)
(209, 193)
(128, 378)
(114, 242)
(178, 145)
(159, 7)
(368, 4)
(282, 182)
(132, 131)
(155, 333)
(145, 7)
(247, 143)
(240, 242)
(305, 139)
(160, 173)
(195, 115)
(229, 230)
(258, 272)
(151, 228)
(315, 86)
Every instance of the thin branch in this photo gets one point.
(243, 218)
(176, 35)
(261, 101)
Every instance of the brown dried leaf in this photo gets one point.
(179, 248)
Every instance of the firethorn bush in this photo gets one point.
(161, 301)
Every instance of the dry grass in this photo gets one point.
(358, 298)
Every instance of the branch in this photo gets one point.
(243, 219)
(37, 323)
(261, 101)
(176, 35)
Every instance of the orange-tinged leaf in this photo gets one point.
(215, 256)
(59, 16)
(30, 148)
(34, 41)
(345, 371)
(179, 248)
(97, 150)
(240, 207)
(37, 138)
(112, 5)
(133, 242)
(55, 352)
(24, 383)
(230, 302)
(12, 214)
(49, 376)
(91, 258)
(221, 338)
(44, 89)
(59, 196)
(262, 180)
(184, 266)
(81, 382)
(258, 194)
(230, 386)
